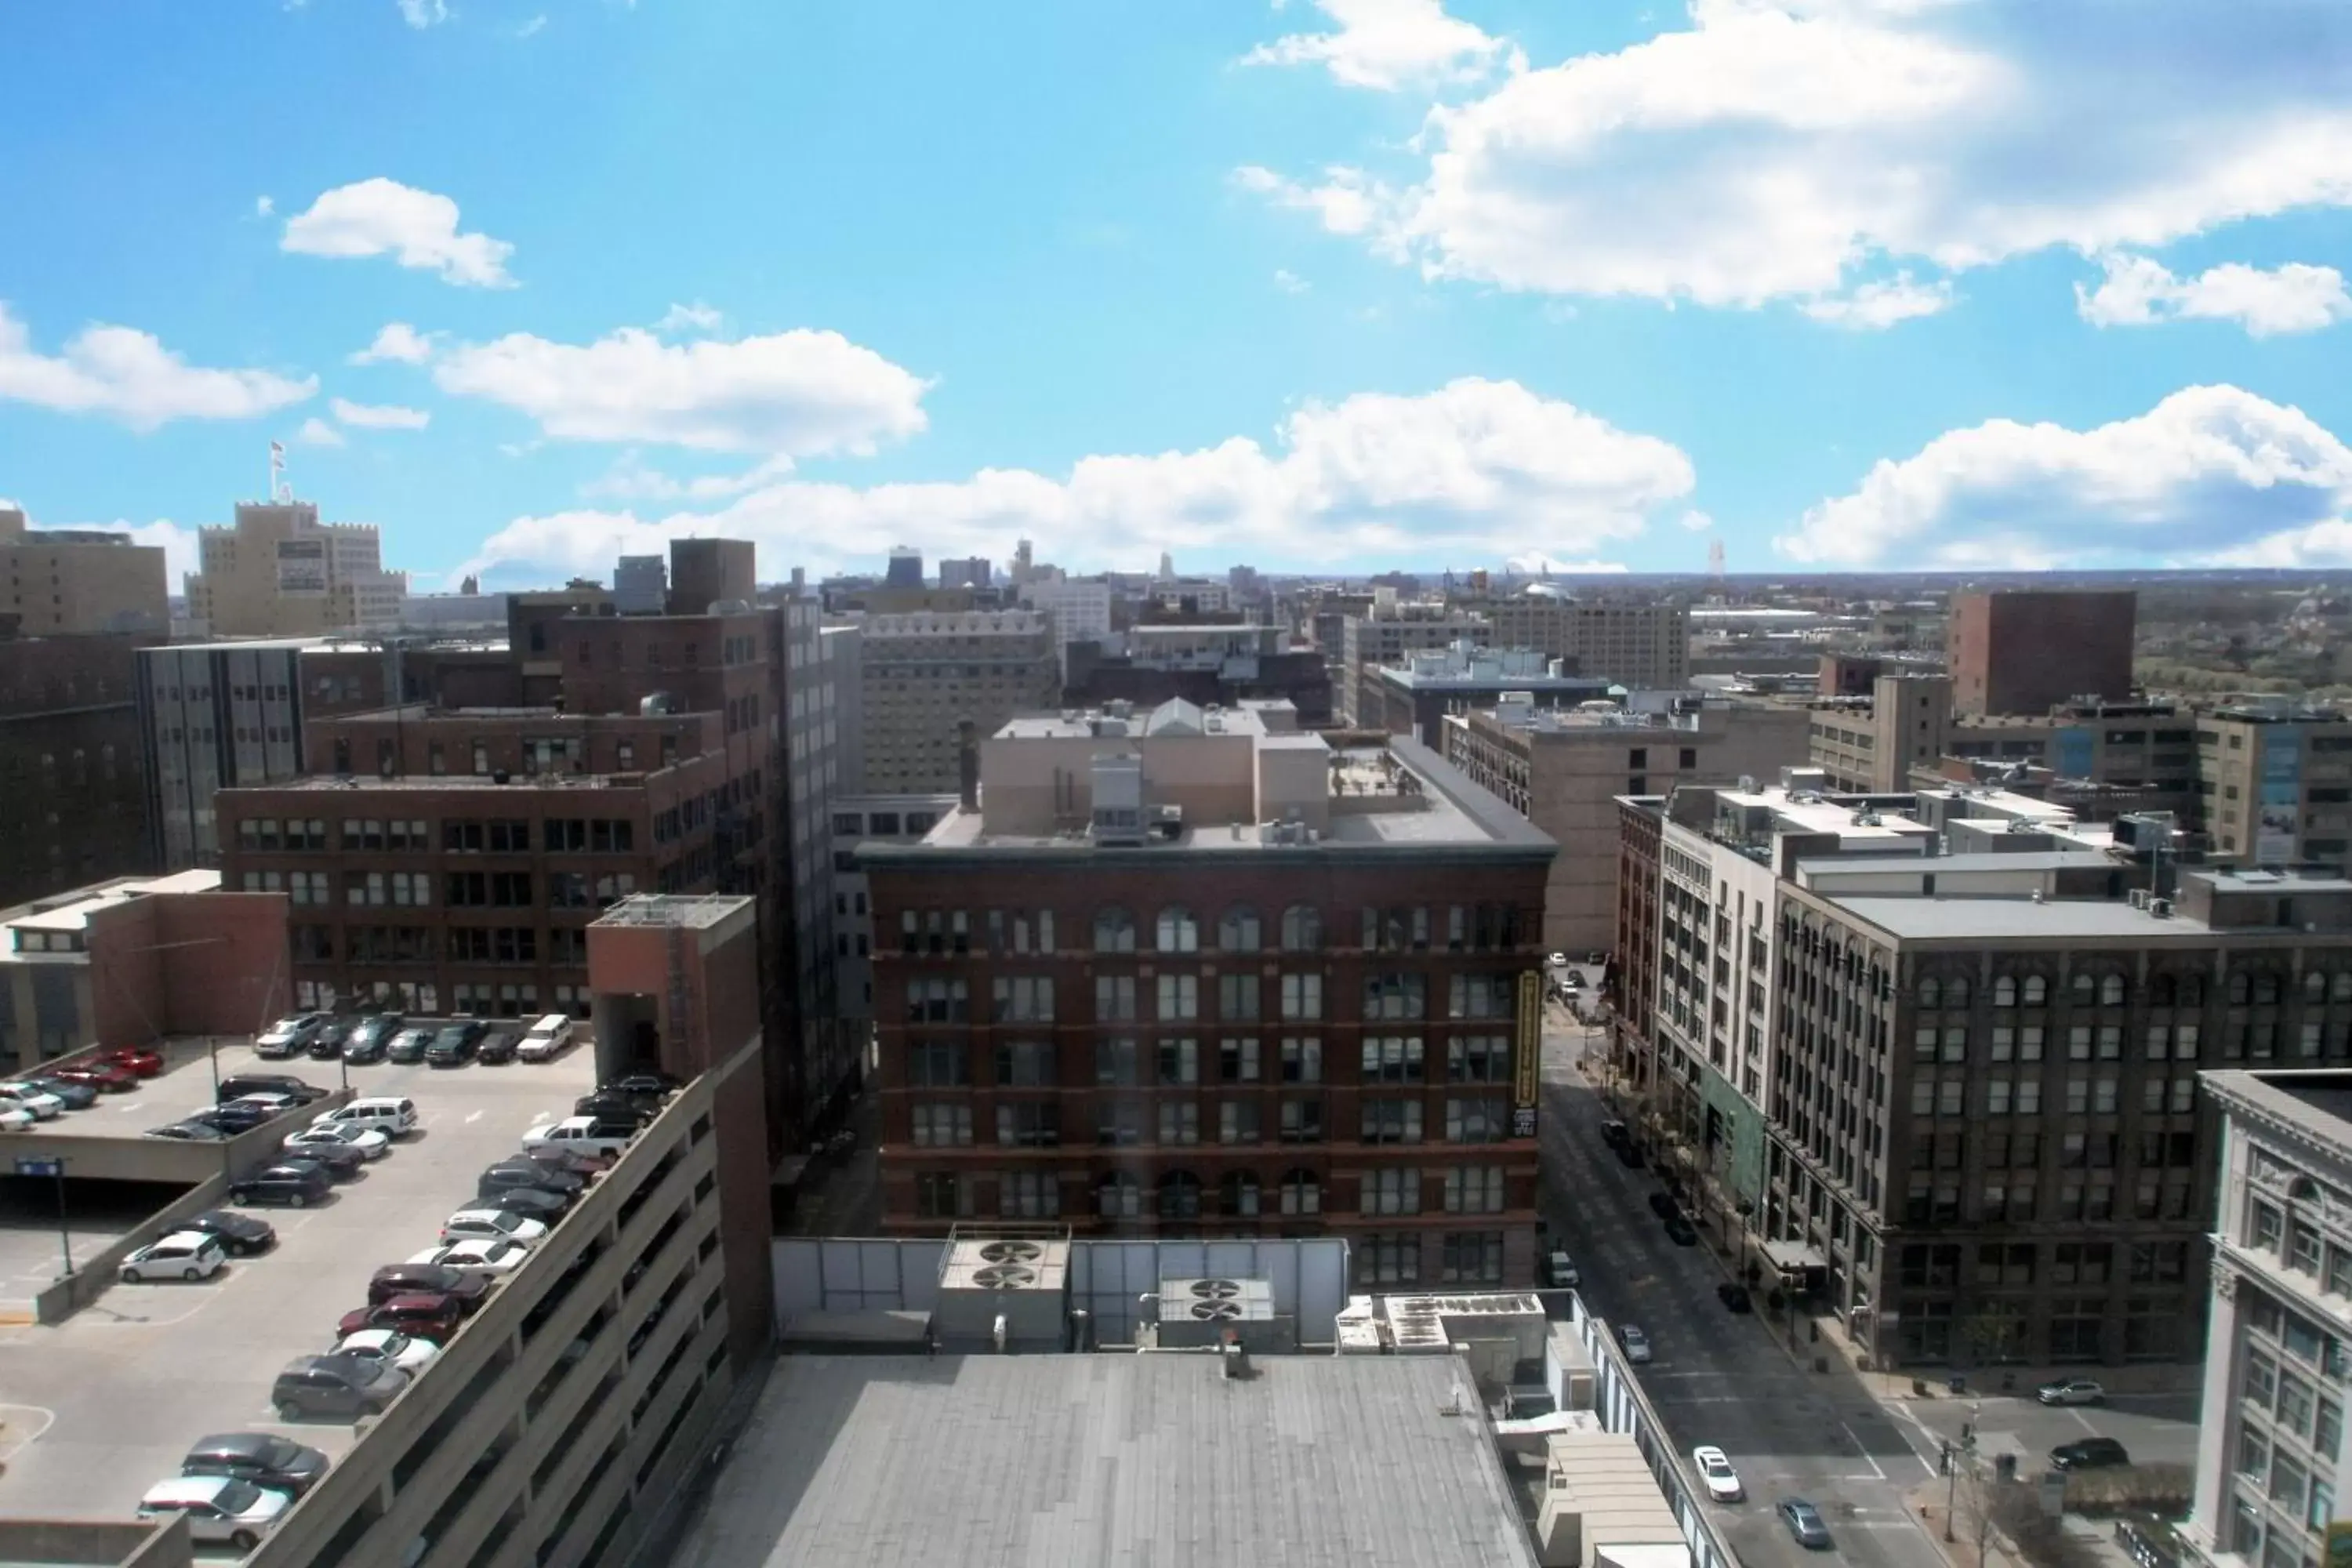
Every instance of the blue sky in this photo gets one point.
(1336, 285)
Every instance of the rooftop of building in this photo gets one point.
(1595, 720)
(513, 783)
(2092, 919)
(70, 911)
(2021, 861)
(1112, 1461)
(2318, 1101)
(1465, 666)
(1269, 720)
(1797, 808)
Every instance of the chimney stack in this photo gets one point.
(967, 764)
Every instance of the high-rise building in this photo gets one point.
(905, 568)
(277, 571)
(2274, 783)
(973, 572)
(856, 820)
(72, 772)
(1384, 635)
(1077, 609)
(214, 716)
(2026, 651)
(70, 581)
(641, 585)
(1189, 974)
(922, 675)
(1643, 647)
(711, 576)
(2271, 1459)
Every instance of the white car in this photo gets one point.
(1559, 961)
(25, 1097)
(183, 1255)
(490, 1225)
(15, 1119)
(389, 1346)
(366, 1140)
(217, 1508)
(1715, 1469)
(580, 1134)
(1636, 1343)
(476, 1257)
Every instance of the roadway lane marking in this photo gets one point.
(1862, 1451)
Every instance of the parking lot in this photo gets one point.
(99, 1407)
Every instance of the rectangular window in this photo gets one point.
(1179, 1062)
(1179, 1123)
(1180, 997)
(1478, 1058)
(1026, 1064)
(1473, 1258)
(1302, 1059)
(1237, 1061)
(1237, 1121)
(1391, 1192)
(1028, 1194)
(938, 1063)
(1119, 1122)
(1302, 1121)
(1114, 998)
(1023, 998)
(1117, 1063)
(1392, 1122)
(1302, 997)
(939, 1195)
(1392, 1058)
(941, 1125)
(1480, 997)
(1395, 995)
(1237, 998)
(1474, 1189)
(1028, 1123)
(1483, 1119)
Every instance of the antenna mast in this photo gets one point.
(280, 492)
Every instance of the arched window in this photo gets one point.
(2315, 986)
(2004, 991)
(2037, 990)
(2266, 988)
(2082, 988)
(2192, 991)
(1956, 992)
(2242, 987)
(1301, 1191)
(1302, 929)
(1114, 929)
(1237, 1195)
(1180, 1196)
(2111, 990)
(1931, 992)
(1119, 1196)
(1179, 931)
(1237, 929)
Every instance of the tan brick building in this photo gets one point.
(66, 582)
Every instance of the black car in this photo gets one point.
(1734, 1297)
(237, 1086)
(191, 1132)
(2089, 1453)
(1613, 1132)
(291, 1184)
(606, 1106)
(232, 1119)
(1629, 1154)
(452, 1048)
(241, 1234)
(1662, 1205)
(498, 1048)
(521, 1172)
(367, 1039)
(658, 1086)
(344, 1385)
(262, 1457)
(408, 1046)
(328, 1043)
(1679, 1232)
(468, 1290)
(532, 1203)
(341, 1161)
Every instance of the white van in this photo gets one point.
(394, 1116)
(548, 1038)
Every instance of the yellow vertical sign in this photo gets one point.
(1526, 1056)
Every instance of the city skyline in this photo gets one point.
(1331, 288)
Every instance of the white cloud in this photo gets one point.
(631, 479)
(2210, 474)
(128, 375)
(1777, 150)
(695, 317)
(533, 27)
(1882, 303)
(1348, 201)
(317, 432)
(1696, 520)
(1475, 471)
(423, 14)
(418, 228)
(1290, 282)
(799, 393)
(1389, 44)
(2137, 291)
(396, 342)
(379, 416)
(262, 206)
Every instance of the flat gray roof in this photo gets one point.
(1124, 1461)
(1929, 920)
(1985, 860)
(2319, 1101)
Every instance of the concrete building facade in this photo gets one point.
(1641, 645)
(73, 582)
(1391, 629)
(922, 675)
(276, 571)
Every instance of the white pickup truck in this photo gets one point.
(581, 1134)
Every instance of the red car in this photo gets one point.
(425, 1316)
(103, 1076)
(135, 1059)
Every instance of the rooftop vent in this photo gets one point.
(1194, 1313)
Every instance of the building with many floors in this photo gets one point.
(1415, 696)
(71, 767)
(1641, 645)
(923, 674)
(1211, 665)
(276, 571)
(860, 819)
(2027, 651)
(1077, 609)
(68, 581)
(1384, 635)
(1196, 974)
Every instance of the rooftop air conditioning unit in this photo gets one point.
(1025, 1283)
(2139, 898)
(1200, 1312)
(2161, 909)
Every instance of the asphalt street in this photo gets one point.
(1719, 1377)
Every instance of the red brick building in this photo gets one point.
(1179, 975)
(2019, 652)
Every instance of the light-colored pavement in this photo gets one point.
(103, 1404)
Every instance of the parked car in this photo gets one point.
(412, 1277)
(240, 1235)
(262, 1457)
(182, 1255)
(1636, 1343)
(340, 1160)
(1804, 1522)
(1734, 1297)
(409, 1045)
(585, 1133)
(77, 1096)
(38, 1103)
(237, 1086)
(190, 1131)
(221, 1510)
(420, 1314)
(365, 1141)
(1715, 1472)
(1560, 1269)
(521, 1172)
(394, 1116)
(1629, 1154)
(2071, 1391)
(646, 1082)
(492, 1259)
(491, 1224)
(1613, 1132)
(2089, 1453)
(1662, 1205)
(585, 1165)
(454, 1046)
(237, 1116)
(364, 1047)
(344, 1385)
(293, 1185)
(532, 1203)
(1679, 1232)
(327, 1045)
(15, 1119)
(498, 1048)
(390, 1347)
(549, 1037)
(140, 1061)
(103, 1076)
(610, 1105)
(288, 1036)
